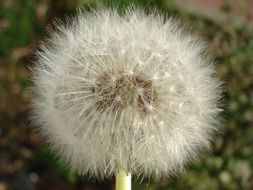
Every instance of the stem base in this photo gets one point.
(123, 180)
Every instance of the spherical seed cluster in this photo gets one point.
(130, 91)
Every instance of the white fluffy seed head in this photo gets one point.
(133, 91)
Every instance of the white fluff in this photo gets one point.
(130, 91)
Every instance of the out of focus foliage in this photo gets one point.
(26, 164)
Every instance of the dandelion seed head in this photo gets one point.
(133, 91)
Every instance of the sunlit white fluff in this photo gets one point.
(89, 102)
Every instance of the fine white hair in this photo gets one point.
(134, 91)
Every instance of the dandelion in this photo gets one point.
(129, 94)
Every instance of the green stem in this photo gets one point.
(123, 180)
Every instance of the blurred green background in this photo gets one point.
(27, 164)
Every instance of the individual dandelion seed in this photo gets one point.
(125, 94)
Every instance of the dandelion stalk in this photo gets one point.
(123, 180)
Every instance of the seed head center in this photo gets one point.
(118, 90)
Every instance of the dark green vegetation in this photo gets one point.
(27, 164)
